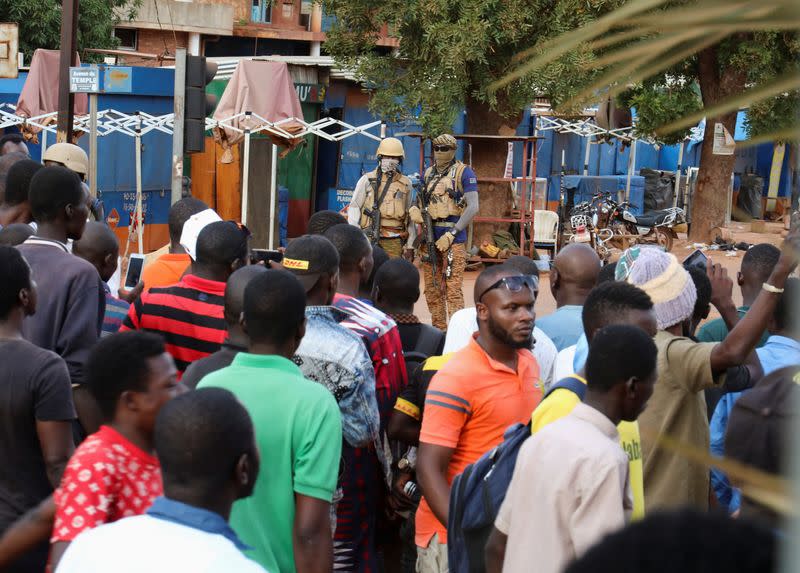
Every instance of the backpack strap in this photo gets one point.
(574, 384)
(428, 340)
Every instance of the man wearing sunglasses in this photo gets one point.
(486, 387)
(450, 194)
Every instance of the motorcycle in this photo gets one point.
(660, 227)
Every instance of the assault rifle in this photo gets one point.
(427, 225)
(373, 232)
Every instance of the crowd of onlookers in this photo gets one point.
(298, 416)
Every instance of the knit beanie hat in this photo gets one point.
(661, 276)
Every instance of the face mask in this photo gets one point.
(443, 158)
(388, 164)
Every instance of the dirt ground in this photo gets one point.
(546, 304)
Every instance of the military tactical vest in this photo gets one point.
(447, 196)
(393, 207)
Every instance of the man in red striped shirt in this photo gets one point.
(189, 315)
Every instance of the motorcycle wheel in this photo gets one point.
(663, 238)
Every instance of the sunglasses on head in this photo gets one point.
(442, 148)
(514, 284)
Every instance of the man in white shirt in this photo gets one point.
(206, 445)
(570, 485)
(465, 322)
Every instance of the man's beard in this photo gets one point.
(506, 337)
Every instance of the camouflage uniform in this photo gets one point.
(443, 305)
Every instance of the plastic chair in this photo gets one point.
(545, 229)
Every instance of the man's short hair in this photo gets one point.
(617, 353)
(523, 265)
(398, 282)
(18, 181)
(220, 243)
(351, 243)
(117, 364)
(761, 259)
(608, 300)
(15, 234)
(11, 138)
(703, 285)
(180, 212)
(234, 291)
(787, 311)
(6, 162)
(685, 540)
(321, 221)
(607, 273)
(15, 275)
(53, 188)
(274, 306)
(200, 436)
(379, 258)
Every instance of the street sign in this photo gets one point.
(84, 80)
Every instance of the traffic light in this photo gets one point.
(197, 104)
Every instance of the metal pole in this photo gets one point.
(383, 131)
(631, 169)
(678, 174)
(139, 219)
(68, 57)
(177, 128)
(44, 142)
(93, 144)
(246, 173)
(586, 156)
(274, 198)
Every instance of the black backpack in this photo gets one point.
(428, 344)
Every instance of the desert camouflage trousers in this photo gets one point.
(447, 296)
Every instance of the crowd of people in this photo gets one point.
(228, 415)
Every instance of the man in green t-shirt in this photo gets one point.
(757, 264)
(298, 431)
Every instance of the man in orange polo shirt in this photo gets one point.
(168, 268)
(487, 386)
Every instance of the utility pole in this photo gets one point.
(69, 45)
(177, 125)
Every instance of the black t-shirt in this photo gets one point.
(34, 385)
(217, 361)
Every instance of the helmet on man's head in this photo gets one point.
(446, 139)
(69, 155)
(391, 147)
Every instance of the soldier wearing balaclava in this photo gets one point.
(381, 202)
(450, 193)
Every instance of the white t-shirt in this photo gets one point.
(565, 363)
(145, 544)
(465, 322)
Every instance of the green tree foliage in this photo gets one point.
(451, 51)
(40, 23)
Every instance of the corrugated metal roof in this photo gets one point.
(227, 65)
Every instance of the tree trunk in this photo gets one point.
(488, 159)
(710, 201)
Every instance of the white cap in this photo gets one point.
(192, 228)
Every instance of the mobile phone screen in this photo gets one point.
(135, 265)
(696, 259)
(266, 255)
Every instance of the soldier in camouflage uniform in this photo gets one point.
(385, 190)
(452, 188)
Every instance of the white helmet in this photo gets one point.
(69, 155)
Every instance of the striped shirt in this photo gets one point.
(116, 310)
(189, 315)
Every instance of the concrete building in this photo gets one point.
(225, 28)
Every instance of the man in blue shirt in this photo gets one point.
(782, 349)
(450, 194)
(573, 276)
(206, 445)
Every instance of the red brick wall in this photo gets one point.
(152, 42)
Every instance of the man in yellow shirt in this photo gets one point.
(608, 303)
